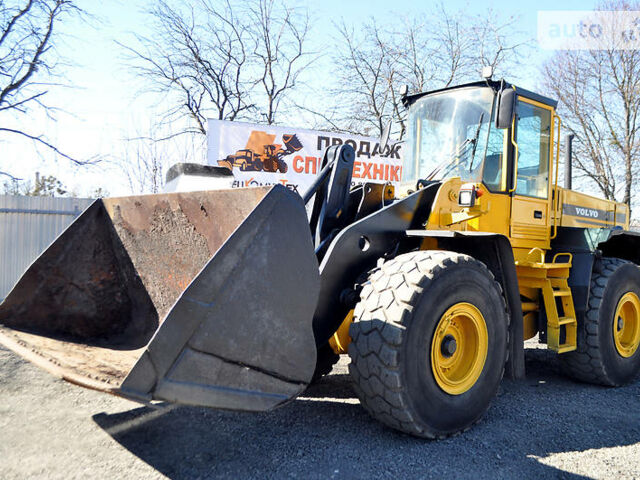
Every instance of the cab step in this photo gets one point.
(562, 293)
(550, 278)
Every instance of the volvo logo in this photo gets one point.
(587, 212)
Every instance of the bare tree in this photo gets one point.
(496, 43)
(366, 68)
(209, 57)
(279, 34)
(424, 53)
(599, 94)
(28, 62)
(144, 164)
(143, 160)
(197, 56)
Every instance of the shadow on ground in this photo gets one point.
(326, 434)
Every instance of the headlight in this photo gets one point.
(468, 195)
(465, 198)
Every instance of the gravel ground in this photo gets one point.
(543, 427)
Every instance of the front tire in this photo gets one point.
(269, 165)
(608, 350)
(282, 166)
(429, 343)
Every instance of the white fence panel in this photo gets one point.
(28, 225)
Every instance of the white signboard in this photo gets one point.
(266, 155)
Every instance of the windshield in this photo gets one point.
(447, 135)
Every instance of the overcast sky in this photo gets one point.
(104, 107)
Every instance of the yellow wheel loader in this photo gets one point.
(431, 288)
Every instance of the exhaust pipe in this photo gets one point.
(568, 154)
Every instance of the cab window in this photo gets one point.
(533, 136)
(492, 175)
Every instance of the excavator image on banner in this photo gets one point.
(261, 154)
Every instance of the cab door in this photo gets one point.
(530, 205)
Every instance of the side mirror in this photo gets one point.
(506, 108)
(404, 93)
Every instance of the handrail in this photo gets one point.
(555, 257)
(556, 192)
(515, 158)
(536, 250)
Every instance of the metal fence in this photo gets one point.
(27, 226)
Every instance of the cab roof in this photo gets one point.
(495, 84)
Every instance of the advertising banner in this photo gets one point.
(266, 155)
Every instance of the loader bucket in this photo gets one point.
(200, 298)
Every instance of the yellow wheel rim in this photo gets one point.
(626, 325)
(459, 348)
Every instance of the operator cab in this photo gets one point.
(454, 132)
(493, 139)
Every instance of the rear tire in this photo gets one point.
(257, 165)
(599, 358)
(396, 354)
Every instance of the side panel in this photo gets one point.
(584, 211)
(529, 222)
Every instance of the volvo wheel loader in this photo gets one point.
(233, 298)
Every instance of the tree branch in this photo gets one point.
(42, 141)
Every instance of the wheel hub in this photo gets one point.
(459, 348)
(626, 325)
(449, 346)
